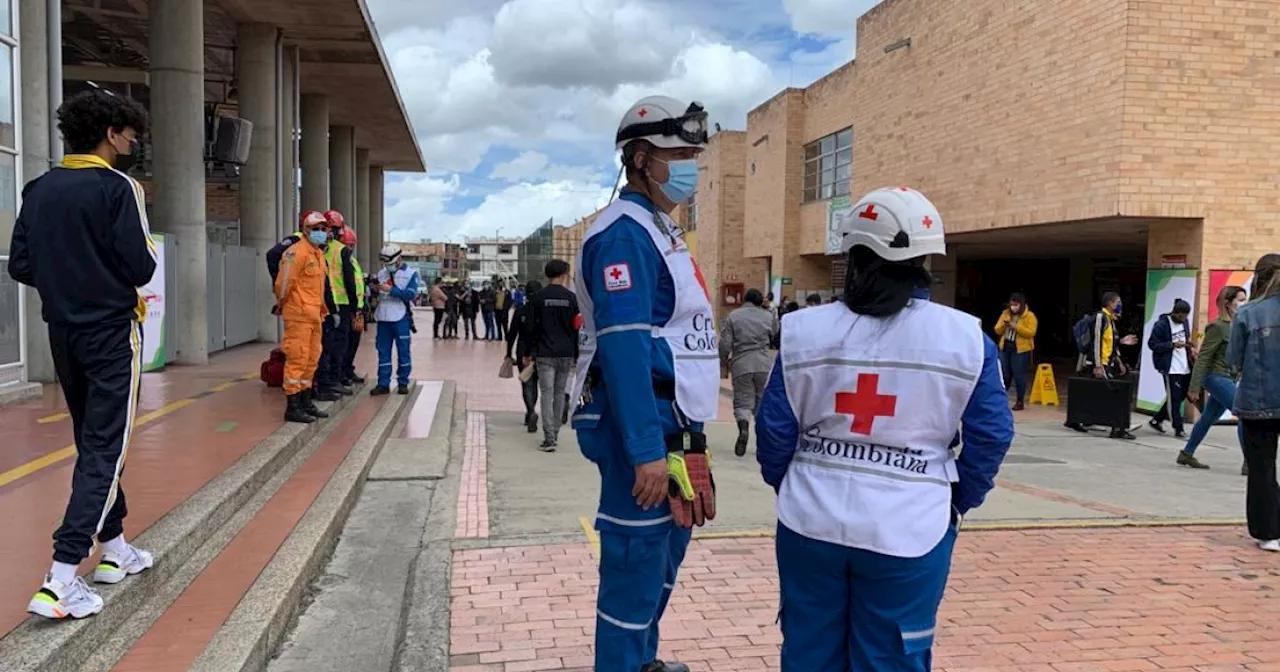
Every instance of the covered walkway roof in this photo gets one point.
(341, 57)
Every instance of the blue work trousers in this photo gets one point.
(637, 575)
(1220, 394)
(850, 610)
(397, 333)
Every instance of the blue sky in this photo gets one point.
(515, 102)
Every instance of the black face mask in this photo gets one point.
(125, 162)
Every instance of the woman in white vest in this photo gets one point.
(857, 432)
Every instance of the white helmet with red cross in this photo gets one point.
(897, 224)
(664, 122)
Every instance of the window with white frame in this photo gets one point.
(828, 166)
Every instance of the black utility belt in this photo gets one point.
(662, 389)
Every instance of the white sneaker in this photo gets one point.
(58, 600)
(114, 567)
(1269, 545)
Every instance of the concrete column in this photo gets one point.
(315, 152)
(177, 133)
(362, 209)
(36, 118)
(256, 61)
(376, 211)
(342, 170)
(289, 166)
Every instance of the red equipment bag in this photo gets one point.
(273, 369)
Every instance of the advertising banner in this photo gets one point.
(1220, 279)
(836, 208)
(153, 346)
(1164, 286)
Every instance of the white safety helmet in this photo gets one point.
(896, 224)
(664, 122)
(390, 254)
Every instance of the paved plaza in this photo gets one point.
(467, 550)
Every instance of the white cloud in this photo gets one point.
(826, 17)
(536, 167)
(551, 78)
(598, 44)
(419, 211)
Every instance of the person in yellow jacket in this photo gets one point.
(1016, 330)
(302, 297)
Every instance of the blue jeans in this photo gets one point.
(1220, 393)
(848, 610)
(490, 326)
(1015, 367)
(394, 333)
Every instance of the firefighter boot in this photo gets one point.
(309, 405)
(293, 411)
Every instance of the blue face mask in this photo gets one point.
(682, 180)
(318, 237)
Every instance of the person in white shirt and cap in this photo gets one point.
(857, 431)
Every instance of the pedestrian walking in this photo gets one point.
(745, 339)
(83, 241)
(520, 344)
(553, 325)
(1214, 376)
(1254, 351)
(1172, 353)
(856, 433)
(397, 287)
(502, 307)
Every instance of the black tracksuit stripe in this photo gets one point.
(100, 370)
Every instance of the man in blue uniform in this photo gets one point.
(857, 431)
(648, 346)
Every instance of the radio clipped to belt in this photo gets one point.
(692, 490)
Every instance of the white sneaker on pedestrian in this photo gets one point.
(114, 567)
(1269, 545)
(58, 600)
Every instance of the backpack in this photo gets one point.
(272, 372)
(1082, 334)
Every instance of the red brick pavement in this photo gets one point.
(473, 491)
(1065, 600)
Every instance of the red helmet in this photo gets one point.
(347, 236)
(311, 218)
(335, 219)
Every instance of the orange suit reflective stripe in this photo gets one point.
(300, 294)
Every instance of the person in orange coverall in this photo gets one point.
(300, 296)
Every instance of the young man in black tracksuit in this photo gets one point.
(82, 240)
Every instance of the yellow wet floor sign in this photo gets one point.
(1045, 390)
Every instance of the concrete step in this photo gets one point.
(184, 538)
(257, 629)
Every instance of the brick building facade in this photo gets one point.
(1105, 134)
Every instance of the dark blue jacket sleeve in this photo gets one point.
(777, 429)
(19, 253)
(623, 315)
(986, 429)
(1161, 340)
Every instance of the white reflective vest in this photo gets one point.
(690, 333)
(879, 401)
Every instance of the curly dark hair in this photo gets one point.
(85, 117)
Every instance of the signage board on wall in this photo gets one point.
(836, 209)
(153, 332)
(1164, 286)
